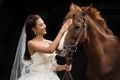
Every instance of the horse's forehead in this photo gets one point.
(77, 12)
(78, 15)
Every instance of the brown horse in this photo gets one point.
(102, 48)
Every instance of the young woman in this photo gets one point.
(39, 52)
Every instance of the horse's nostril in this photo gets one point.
(63, 47)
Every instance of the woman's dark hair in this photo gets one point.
(30, 23)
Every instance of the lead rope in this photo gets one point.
(73, 49)
(67, 75)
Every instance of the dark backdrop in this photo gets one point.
(14, 12)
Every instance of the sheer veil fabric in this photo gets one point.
(20, 66)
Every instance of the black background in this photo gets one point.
(14, 12)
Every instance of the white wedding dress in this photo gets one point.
(42, 67)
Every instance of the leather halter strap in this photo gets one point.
(81, 31)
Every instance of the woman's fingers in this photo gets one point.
(68, 67)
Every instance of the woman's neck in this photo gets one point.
(39, 37)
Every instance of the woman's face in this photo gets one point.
(40, 28)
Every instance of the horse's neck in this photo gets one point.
(94, 40)
(100, 31)
(97, 39)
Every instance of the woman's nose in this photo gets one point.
(44, 26)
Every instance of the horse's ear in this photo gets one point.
(90, 7)
(87, 10)
(73, 7)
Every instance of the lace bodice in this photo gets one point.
(43, 61)
(40, 58)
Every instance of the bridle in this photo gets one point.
(72, 48)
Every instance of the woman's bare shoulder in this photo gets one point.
(49, 41)
(30, 43)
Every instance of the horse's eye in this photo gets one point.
(77, 27)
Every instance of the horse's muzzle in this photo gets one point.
(61, 53)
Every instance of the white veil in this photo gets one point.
(20, 66)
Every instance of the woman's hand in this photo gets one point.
(66, 25)
(67, 67)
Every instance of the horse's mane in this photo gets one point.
(93, 13)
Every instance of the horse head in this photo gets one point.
(77, 31)
(100, 45)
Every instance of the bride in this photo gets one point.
(35, 56)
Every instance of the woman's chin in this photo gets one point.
(45, 33)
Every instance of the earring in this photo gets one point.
(34, 32)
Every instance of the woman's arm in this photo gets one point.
(63, 67)
(53, 45)
(59, 36)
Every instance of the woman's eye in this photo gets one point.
(41, 24)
